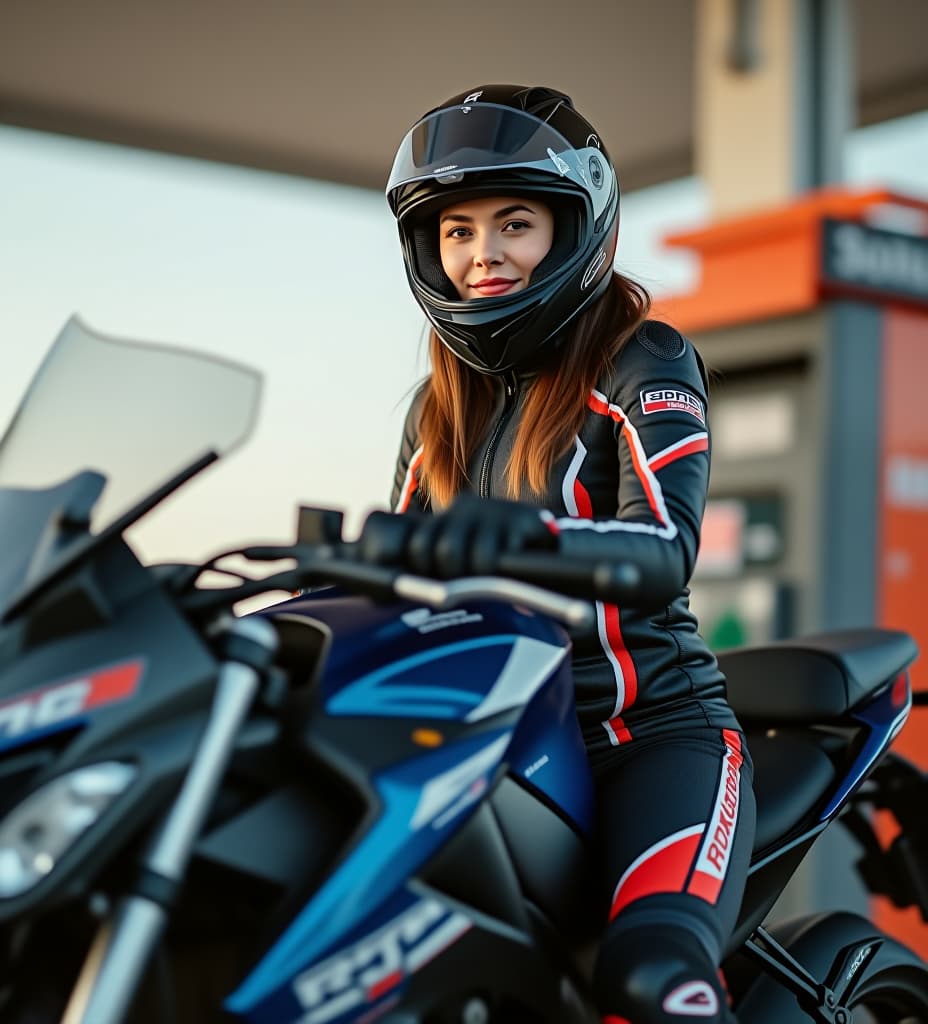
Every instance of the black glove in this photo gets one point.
(467, 540)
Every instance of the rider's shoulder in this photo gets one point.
(656, 352)
(653, 343)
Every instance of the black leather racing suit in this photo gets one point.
(675, 808)
(632, 487)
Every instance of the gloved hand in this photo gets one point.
(466, 540)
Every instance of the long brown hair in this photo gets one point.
(458, 400)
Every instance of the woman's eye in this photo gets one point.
(457, 233)
(516, 225)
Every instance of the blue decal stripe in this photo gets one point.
(366, 696)
(884, 721)
(371, 874)
(347, 897)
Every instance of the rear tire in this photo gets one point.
(895, 996)
(892, 987)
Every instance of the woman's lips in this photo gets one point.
(494, 285)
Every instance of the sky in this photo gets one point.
(302, 280)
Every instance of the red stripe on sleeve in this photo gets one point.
(701, 445)
(640, 472)
(604, 409)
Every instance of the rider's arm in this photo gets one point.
(406, 495)
(657, 405)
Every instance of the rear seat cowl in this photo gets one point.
(813, 678)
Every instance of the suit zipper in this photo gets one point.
(510, 386)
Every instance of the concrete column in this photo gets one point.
(773, 99)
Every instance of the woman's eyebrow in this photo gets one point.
(505, 212)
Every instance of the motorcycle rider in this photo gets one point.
(558, 416)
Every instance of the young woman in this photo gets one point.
(558, 416)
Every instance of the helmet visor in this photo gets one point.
(456, 141)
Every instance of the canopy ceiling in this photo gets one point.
(328, 89)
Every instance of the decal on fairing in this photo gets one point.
(529, 665)
(469, 680)
(451, 792)
(60, 705)
(424, 620)
(374, 967)
(370, 882)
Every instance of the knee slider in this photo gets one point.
(658, 976)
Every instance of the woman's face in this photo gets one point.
(491, 246)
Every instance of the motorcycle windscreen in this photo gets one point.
(137, 414)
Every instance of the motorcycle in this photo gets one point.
(369, 801)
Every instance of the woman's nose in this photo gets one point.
(487, 255)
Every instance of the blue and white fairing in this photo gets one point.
(495, 682)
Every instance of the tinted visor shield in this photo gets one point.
(456, 141)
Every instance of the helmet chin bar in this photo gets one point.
(484, 355)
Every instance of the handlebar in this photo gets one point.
(571, 611)
(603, 581)
(545, 582)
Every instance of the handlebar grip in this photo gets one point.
(374, 580)
(617, 582)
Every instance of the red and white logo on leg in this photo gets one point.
(692, 999)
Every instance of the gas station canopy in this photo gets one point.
(327, 90)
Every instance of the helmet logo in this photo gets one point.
(558, 162)
(590, 272)
(593, 140)
(472, 98)
(596, 171)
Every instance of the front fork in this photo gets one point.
(120, 953)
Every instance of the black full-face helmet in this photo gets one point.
(507, 140)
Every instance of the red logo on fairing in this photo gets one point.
(61, 702)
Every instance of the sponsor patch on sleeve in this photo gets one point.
(672, 400)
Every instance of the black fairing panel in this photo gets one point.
(475, 869)
(156, 726)
(764, 886)
(552, 861)
(792, 776)
(516, 849)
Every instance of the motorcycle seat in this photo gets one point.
(813, 678)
